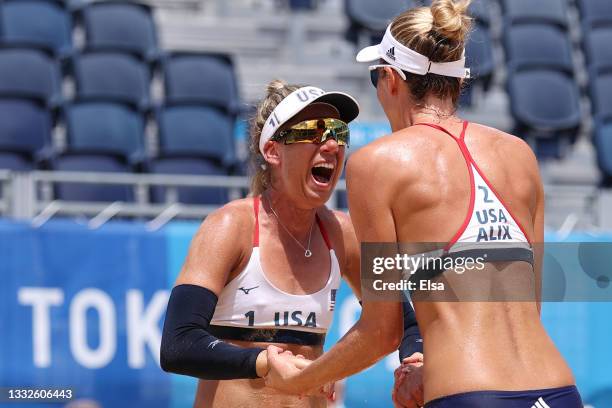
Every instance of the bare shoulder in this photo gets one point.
(382, 156)
(333, 220)
(340, 220)
(339, 227)
(512, 147)
(344, 221)
(219, 245)
(232, 220)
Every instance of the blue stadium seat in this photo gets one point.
(302, 4)
(120, 26)
(540, 11)
(36, 23)
(538, 45)
(375, 16)
(202, 79)
(29, 73)
(598, 49)
(91, 192)
(544, 102)
(196, 131)
(480, 10)
(105, 128)
(25, 128)
(189, 195)
(113, 77)
(600, 84)
(479, 55)
(595, 12)
(14, 161)
(603, 145)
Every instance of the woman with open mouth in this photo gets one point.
(265, 270)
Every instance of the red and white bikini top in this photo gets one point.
(250, 300)
(488, 220)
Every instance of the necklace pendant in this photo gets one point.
(308, 253)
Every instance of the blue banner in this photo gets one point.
(84, 309)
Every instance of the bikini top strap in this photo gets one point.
(440, 128)
(323, 232)
(256, 200)
(465, 125)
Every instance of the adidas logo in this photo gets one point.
(391, 53)
(540, 403)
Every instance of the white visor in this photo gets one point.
(296, 101)
(409, 60)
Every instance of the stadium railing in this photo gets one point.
(29, 196)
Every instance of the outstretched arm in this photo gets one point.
(379, 329)
(412, 341)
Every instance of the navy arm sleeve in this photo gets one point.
(412, 341)
(188, 348)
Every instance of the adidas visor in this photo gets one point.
(402, 57)
(296, 101)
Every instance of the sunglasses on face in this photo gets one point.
(316, 131)
(375, 73)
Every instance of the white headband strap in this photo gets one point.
(409, 60)
(286, 109)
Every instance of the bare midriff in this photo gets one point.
(253, 392)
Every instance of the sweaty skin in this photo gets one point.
(222, 247)
(467, 345)
(412, 186)
(408, 182)
(224, 244)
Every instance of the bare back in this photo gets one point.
(470, 346)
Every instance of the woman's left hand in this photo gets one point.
(408, 387)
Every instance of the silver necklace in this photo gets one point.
(307, 251)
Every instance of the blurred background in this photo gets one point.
(123, 124)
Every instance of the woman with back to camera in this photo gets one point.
(426, 182)
(265, 270)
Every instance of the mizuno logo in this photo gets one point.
(247, 290)
(540, 403)
(391, 53)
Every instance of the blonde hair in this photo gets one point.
(276, 91)
(440, 33)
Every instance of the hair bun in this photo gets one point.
(450, 19)
(275, 85)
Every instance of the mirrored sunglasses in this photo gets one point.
(315, 131)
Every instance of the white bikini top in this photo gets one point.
(488, 220)
(251, 301)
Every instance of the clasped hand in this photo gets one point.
(408, 387)
(284, 368)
